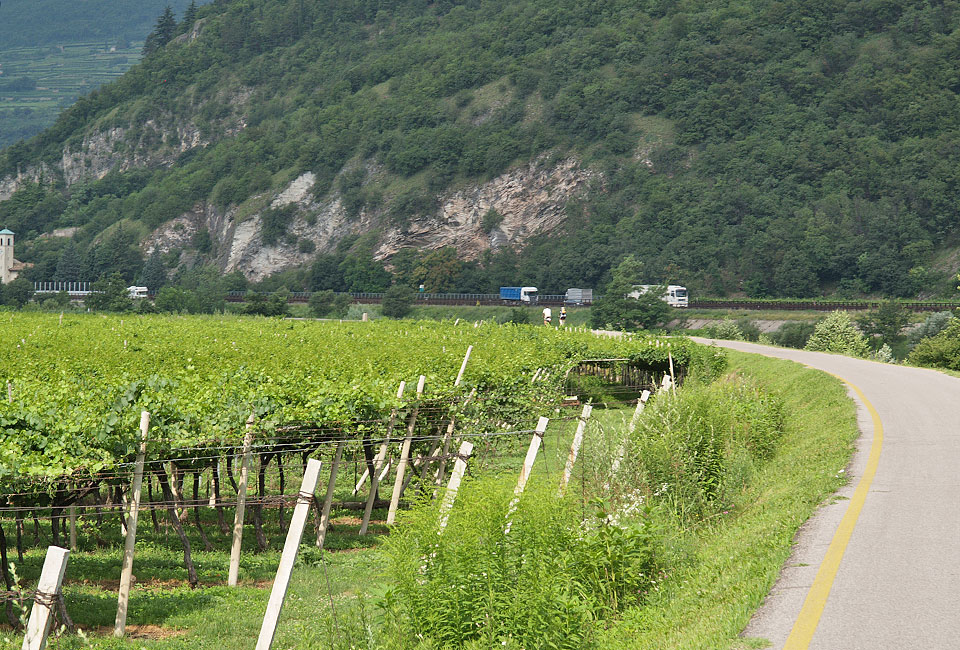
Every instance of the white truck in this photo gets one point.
(673, 294)
(578, 297)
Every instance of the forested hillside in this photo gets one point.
(775, 148)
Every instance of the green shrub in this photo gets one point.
(931, 326)
(884, 354)
(749, 329)
(794, 334)
(727, 329)
(323, 304)
(548, 583)
(940, 351)
(516, 315)
(837, 333)
(397, 301)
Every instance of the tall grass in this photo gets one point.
(561, 577)
(551, 581)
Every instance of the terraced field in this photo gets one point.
(38, 82)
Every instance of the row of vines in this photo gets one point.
(76, 386)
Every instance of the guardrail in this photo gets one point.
(819, 305)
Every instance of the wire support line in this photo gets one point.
(48, 483)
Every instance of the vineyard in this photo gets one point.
(211, 399)
(39, 82)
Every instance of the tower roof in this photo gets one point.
(5, 232)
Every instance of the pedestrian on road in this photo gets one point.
(546, 315)
(563, 315)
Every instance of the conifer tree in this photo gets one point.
(190, 15)
(154, 275)
(68, 264)
(163, 33)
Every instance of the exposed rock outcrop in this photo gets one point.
(531, 199)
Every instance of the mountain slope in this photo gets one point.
(769, 147)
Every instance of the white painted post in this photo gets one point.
(211, 495)
(375, 481)
(289, 555)
(241, 504)
(386, 468)
(328, 500)
(622, 451)
(382, 454)
(531, 457)
(673, 378)
(405, 455)
(126, 572)
(455, 478)
(575, 447)
(450, 426)
(47, 589)
(463, 366)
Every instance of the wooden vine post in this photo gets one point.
(73, 527)
(48, 590)
(575, 447)
(378, 460)
(126, 573)
(454, 485)
(405, 455)
(241, 503)
(377, 476)
(453, 420)
(531, 457)
(328, 499)
(673, 378)
(622, 451)
(288, 557)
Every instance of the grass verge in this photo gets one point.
(733, 565)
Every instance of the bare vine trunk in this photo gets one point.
(221, 520)
(196, 512)
(153, 511)
(7, 580)
(283, 521)
(258, 508)
(19, 517)
(175, 520)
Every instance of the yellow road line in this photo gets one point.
(809, 617)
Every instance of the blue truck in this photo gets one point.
(518, 295)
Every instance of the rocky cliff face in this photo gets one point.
(153, 143)
(10, 184)
(530, 199)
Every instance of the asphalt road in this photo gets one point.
(894, 544)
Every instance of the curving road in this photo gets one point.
(878, 568)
